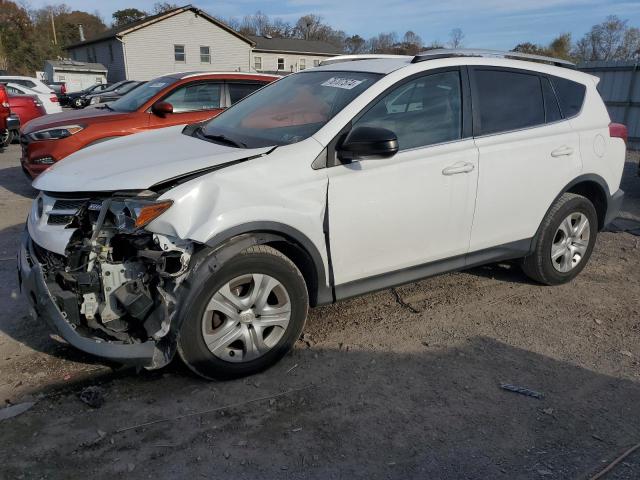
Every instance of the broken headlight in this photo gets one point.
(132, 214)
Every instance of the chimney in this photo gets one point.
(81, 30)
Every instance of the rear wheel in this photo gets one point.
(245, 317)
(6, 137)
(566, 240)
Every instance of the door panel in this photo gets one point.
(521, 173)
(527, 154)
(416, 207)
(385, 215)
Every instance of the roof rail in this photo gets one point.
(471, 52)
(354, 58)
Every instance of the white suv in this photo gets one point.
(214, 239)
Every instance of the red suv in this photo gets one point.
(174, 99)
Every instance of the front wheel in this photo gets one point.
(565, 241)
(78, 103)
(245, 317)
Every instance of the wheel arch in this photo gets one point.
(288, 241)
(590, 186)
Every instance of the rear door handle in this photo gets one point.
(458, 168)
(563, 151)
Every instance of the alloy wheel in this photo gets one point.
(570, 242)
(246, 318)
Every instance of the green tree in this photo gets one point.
(127, 15)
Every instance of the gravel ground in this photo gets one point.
(402, 383)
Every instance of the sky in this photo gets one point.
(499, 24)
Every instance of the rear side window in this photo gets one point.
(508, 101)
(570, 95)
(237, 91)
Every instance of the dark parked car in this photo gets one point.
(112, 95)
(76, 99)
(86, 98)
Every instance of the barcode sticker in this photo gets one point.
(346, 83)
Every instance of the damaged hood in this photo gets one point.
(137, 162)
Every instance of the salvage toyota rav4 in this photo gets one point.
(212, 240)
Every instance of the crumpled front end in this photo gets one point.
(104, 283)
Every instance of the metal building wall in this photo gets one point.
(620, 89)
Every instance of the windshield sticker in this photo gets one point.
(346, 83)
(157, 85)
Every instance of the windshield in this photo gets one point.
(137, 97)
(289, 110)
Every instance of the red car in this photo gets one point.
(8, 121)
(174, 99)
(26, 107)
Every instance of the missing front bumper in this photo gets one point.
(43, 306)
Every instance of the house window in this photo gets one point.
(257, 63)
(303, 63)
(280, 63)
(99, 80)
(93, 55)
(205, 55)
(111, 52)
(61, 78)
(178, 53)
(316, 63)
(73, 55)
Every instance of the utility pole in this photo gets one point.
(53, 28)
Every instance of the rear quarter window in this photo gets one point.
(570, 95)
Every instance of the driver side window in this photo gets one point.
(422, 112)
(195, 96)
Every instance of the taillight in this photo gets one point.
(63, 89)
(54, 99)
(618, 130)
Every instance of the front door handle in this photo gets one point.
(458, 168)
(563, 151)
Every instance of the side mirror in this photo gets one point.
(162, 108)
(368, 142)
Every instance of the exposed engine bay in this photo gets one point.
(117, 281)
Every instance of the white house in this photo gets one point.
(76, 75)
(178, 40)
(286, 55)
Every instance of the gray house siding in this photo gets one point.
(292, 61)
(100, 52)
(150, 50)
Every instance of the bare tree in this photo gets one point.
(456, 36)
(161, 7)
(355, 44)
(612, 39)
(383, 43)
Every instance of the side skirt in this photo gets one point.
(507, 251)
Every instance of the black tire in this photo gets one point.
(6, 137)
(539, 266)
(78, 103)
(257, 259)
